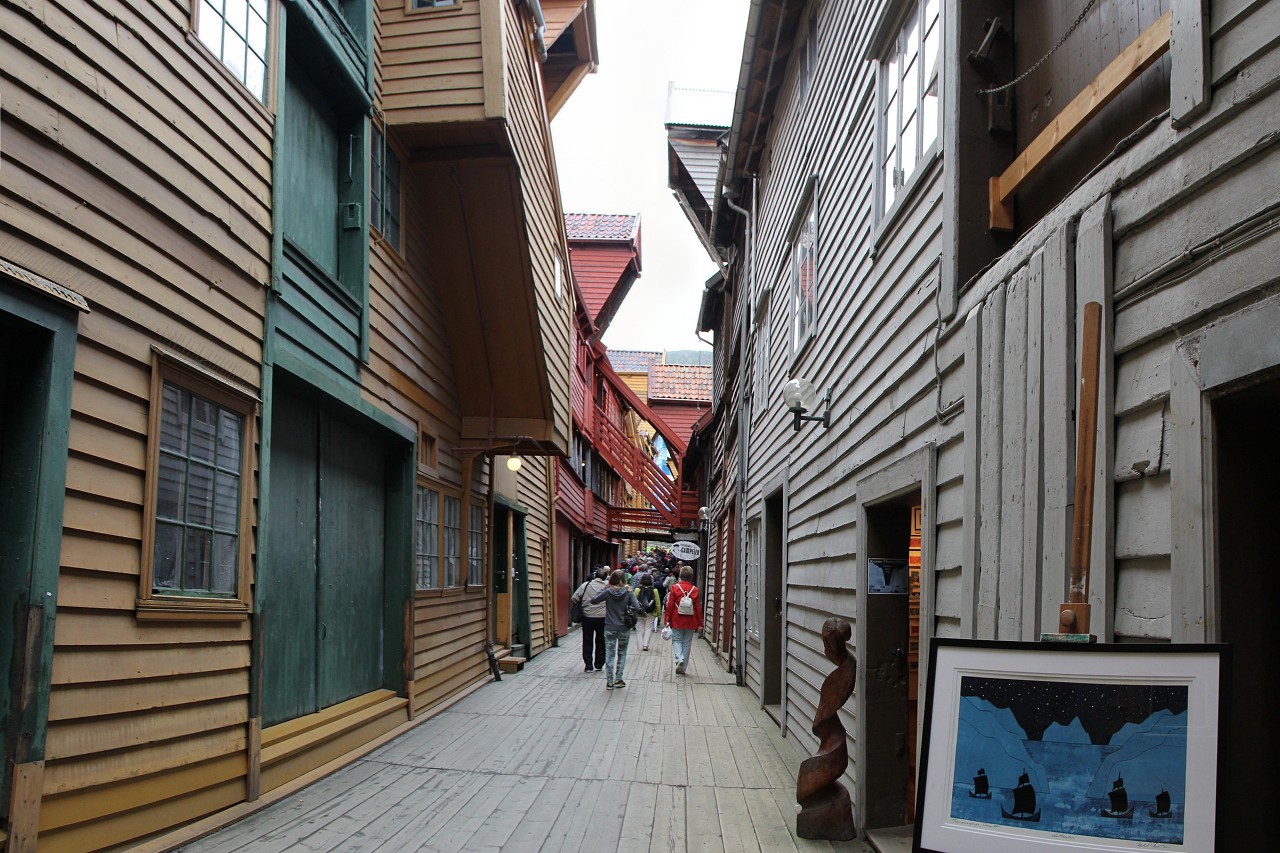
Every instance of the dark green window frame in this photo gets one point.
(384, 189)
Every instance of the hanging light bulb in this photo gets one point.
(514, 463)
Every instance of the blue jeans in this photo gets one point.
(682, 643)
(615, 654)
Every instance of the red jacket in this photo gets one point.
(674, 619)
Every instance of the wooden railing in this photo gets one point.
(635, 466)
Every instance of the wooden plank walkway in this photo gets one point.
(548, 759)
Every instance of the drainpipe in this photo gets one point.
(539, 29)
(744, 424)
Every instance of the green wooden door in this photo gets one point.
(520, 628)
(37, 353)
(288, 595)
(323, 591)
(352, 524)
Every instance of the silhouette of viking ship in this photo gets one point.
(1024, 801)
(981, 788)
(1120, 805)
(1164, 805)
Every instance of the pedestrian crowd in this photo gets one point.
(647, 592)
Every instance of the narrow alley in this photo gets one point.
(547, 759)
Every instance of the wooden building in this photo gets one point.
(906, 221)
(279, 282)
(610, 491)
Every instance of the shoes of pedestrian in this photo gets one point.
(644, 648)
(587, 669)
(619, 683)
(608, 685)
(680, 668)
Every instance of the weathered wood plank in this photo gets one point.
(1033, 464)
(990, 500)
(972, 467)
(1013, 457)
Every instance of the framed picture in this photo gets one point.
(1048, 747)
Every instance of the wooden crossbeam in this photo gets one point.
(1123, 70)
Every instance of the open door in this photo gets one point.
(1247, 498)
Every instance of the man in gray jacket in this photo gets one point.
(592, 619)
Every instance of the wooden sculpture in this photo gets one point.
(825, 810)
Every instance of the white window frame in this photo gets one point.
(203, 32)
(802, 245)
(904, 42)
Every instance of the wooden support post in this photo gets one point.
(1152, 44)
(253, 787)
(409, 642)
(24, 806)
(1074, 615)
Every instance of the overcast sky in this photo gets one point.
(611, 149)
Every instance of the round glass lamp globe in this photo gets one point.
(800, 394)
(514, 463)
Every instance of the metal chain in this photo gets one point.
(1025, 74)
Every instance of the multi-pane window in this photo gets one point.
(909, 90)
(452, 540)
(426, 545)
(475, 547)
(761, 356)
(236, 32)
(433, 4)
(199, 483)
(804, 278)
(384, 189)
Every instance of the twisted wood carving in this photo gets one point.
(825, 810)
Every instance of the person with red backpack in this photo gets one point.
(684, 615)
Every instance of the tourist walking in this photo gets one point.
(647, 595)
(616, 599)
(684, 615)
(593, 616)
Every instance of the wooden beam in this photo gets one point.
(24, 806)
(1123, 70)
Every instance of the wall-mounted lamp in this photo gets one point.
(801, 397)
(704, 513)
(514, 463)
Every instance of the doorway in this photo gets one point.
(510, 616)
(771, 608)
(889, 678)
(37, 354)
(324, 586)
(1247, 492)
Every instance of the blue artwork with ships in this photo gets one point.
(1099, 760)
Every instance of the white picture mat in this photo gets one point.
(1199, 671)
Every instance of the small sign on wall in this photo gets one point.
(886, 576)
(687, 551)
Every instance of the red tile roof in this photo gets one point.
(633, 361)
(680, 382)
(601, 226)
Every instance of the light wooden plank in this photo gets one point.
(669, 820)
(1189, 89)
(768, 821)
(1119, 73)
(534, 827)
(494, 833)
(638, 827)
(456, 832)
(1094, 268)
(1058, 392)
(575, 820)
(990, 466)
(1033, 464)
(1013, 432)
(972, 467)
(702, 816)
(723, 765)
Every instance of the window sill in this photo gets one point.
(448, 592)
(377, 238)
(191, 609)
(905, 201)
(455, 9)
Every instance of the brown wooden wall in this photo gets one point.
(411, 373)
(530, 138)
(535, 493)
(429, 66)
(137, 172)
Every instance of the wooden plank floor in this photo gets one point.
(547, 759)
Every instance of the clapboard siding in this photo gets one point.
(137, 173)
(530, 139)
(429, 64)
(534, 487)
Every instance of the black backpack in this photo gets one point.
(645, 596)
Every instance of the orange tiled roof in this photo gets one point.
(680, 382)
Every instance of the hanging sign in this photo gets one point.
(686, 551)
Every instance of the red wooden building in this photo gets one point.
(610, 464)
